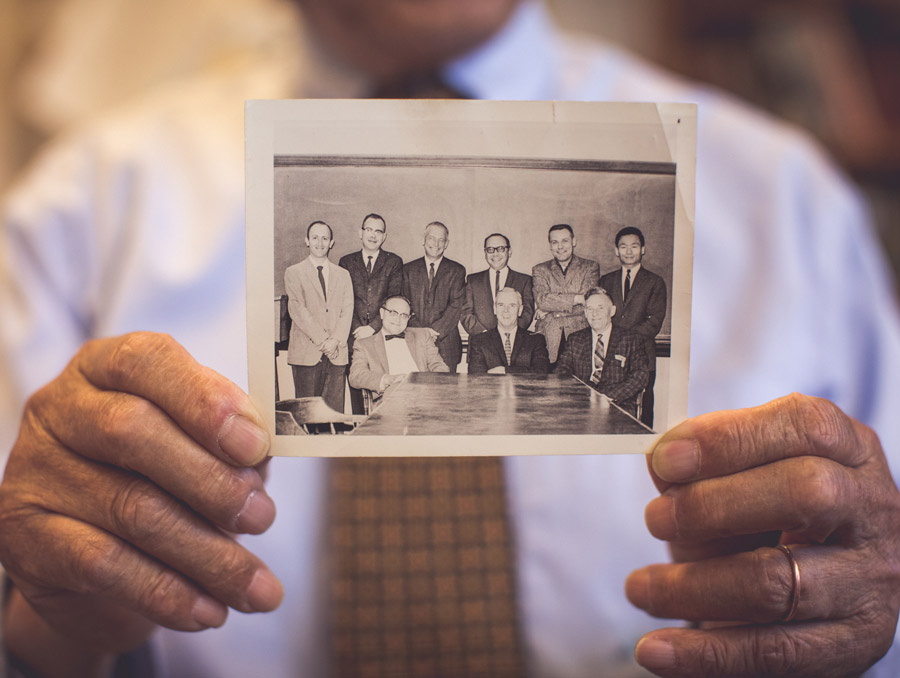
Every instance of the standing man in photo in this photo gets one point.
(320, 303)
(639, 296)
(559, 288)
(376, 275)
(482, 288)
(436, 288)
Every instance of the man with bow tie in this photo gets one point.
(387, 356)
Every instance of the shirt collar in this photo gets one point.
(516, 64)
(436, 262)
(634, 271)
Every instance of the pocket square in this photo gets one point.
(621, 359)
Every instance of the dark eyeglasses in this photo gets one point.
(500, 248)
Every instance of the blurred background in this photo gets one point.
(829, 66)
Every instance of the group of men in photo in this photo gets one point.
(386, 319)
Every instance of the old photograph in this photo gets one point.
(469, 277)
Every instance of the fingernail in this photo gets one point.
(637, 588)
(677, 461)
(265, 591)
(660, 518)
(242, 440)
(209, 613)
(654, 654)
(257, 513)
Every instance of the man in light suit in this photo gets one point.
(639, 296)
(482, 288)
(376, 275)
(384, 358)
(508, 348)
(436, 288)
(320, 303)
(559, 288)
(604, 355)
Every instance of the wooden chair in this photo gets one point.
(304, 412)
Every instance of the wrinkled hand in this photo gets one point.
(129, 472)
(796, 471)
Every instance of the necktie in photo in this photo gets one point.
(430, 275)
(599, 352)
(496, 283)
(508, 348)
(369, 266)
(627, 285)
(388, 337)
(322, 282)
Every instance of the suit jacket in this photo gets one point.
(438, 308)
(313, 319)
(554, 297)
(370, 361)
(624, 369)
(644, 310)
(478, 308)
(370, 290)
(529, 353)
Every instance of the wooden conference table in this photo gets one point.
(488, 404)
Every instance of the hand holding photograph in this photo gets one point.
(469, 277)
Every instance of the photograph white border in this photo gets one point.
(575, 131)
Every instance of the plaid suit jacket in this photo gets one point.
(624, 373)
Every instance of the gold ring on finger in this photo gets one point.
(795, 589)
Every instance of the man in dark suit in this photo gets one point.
(376, 275)
(604, 355)
(559, 288)
(436, 287)
(508, 348)
(383, 359)
(639, 296)
(482, 288)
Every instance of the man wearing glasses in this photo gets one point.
(387, 356)
(436, 289)
(482, 288)
(376, 275)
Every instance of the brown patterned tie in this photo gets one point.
(422, 582)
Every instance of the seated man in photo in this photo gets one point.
(508, 349)
(610, 359)
(387, 356)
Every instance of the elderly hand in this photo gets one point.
(797, 472)
(130, 471)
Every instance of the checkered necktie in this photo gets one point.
(422, 581)
(508, 348)
(598, 360)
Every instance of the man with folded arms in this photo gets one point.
(559, 288)
(607, 357)
(386, 357)
(508, 349)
